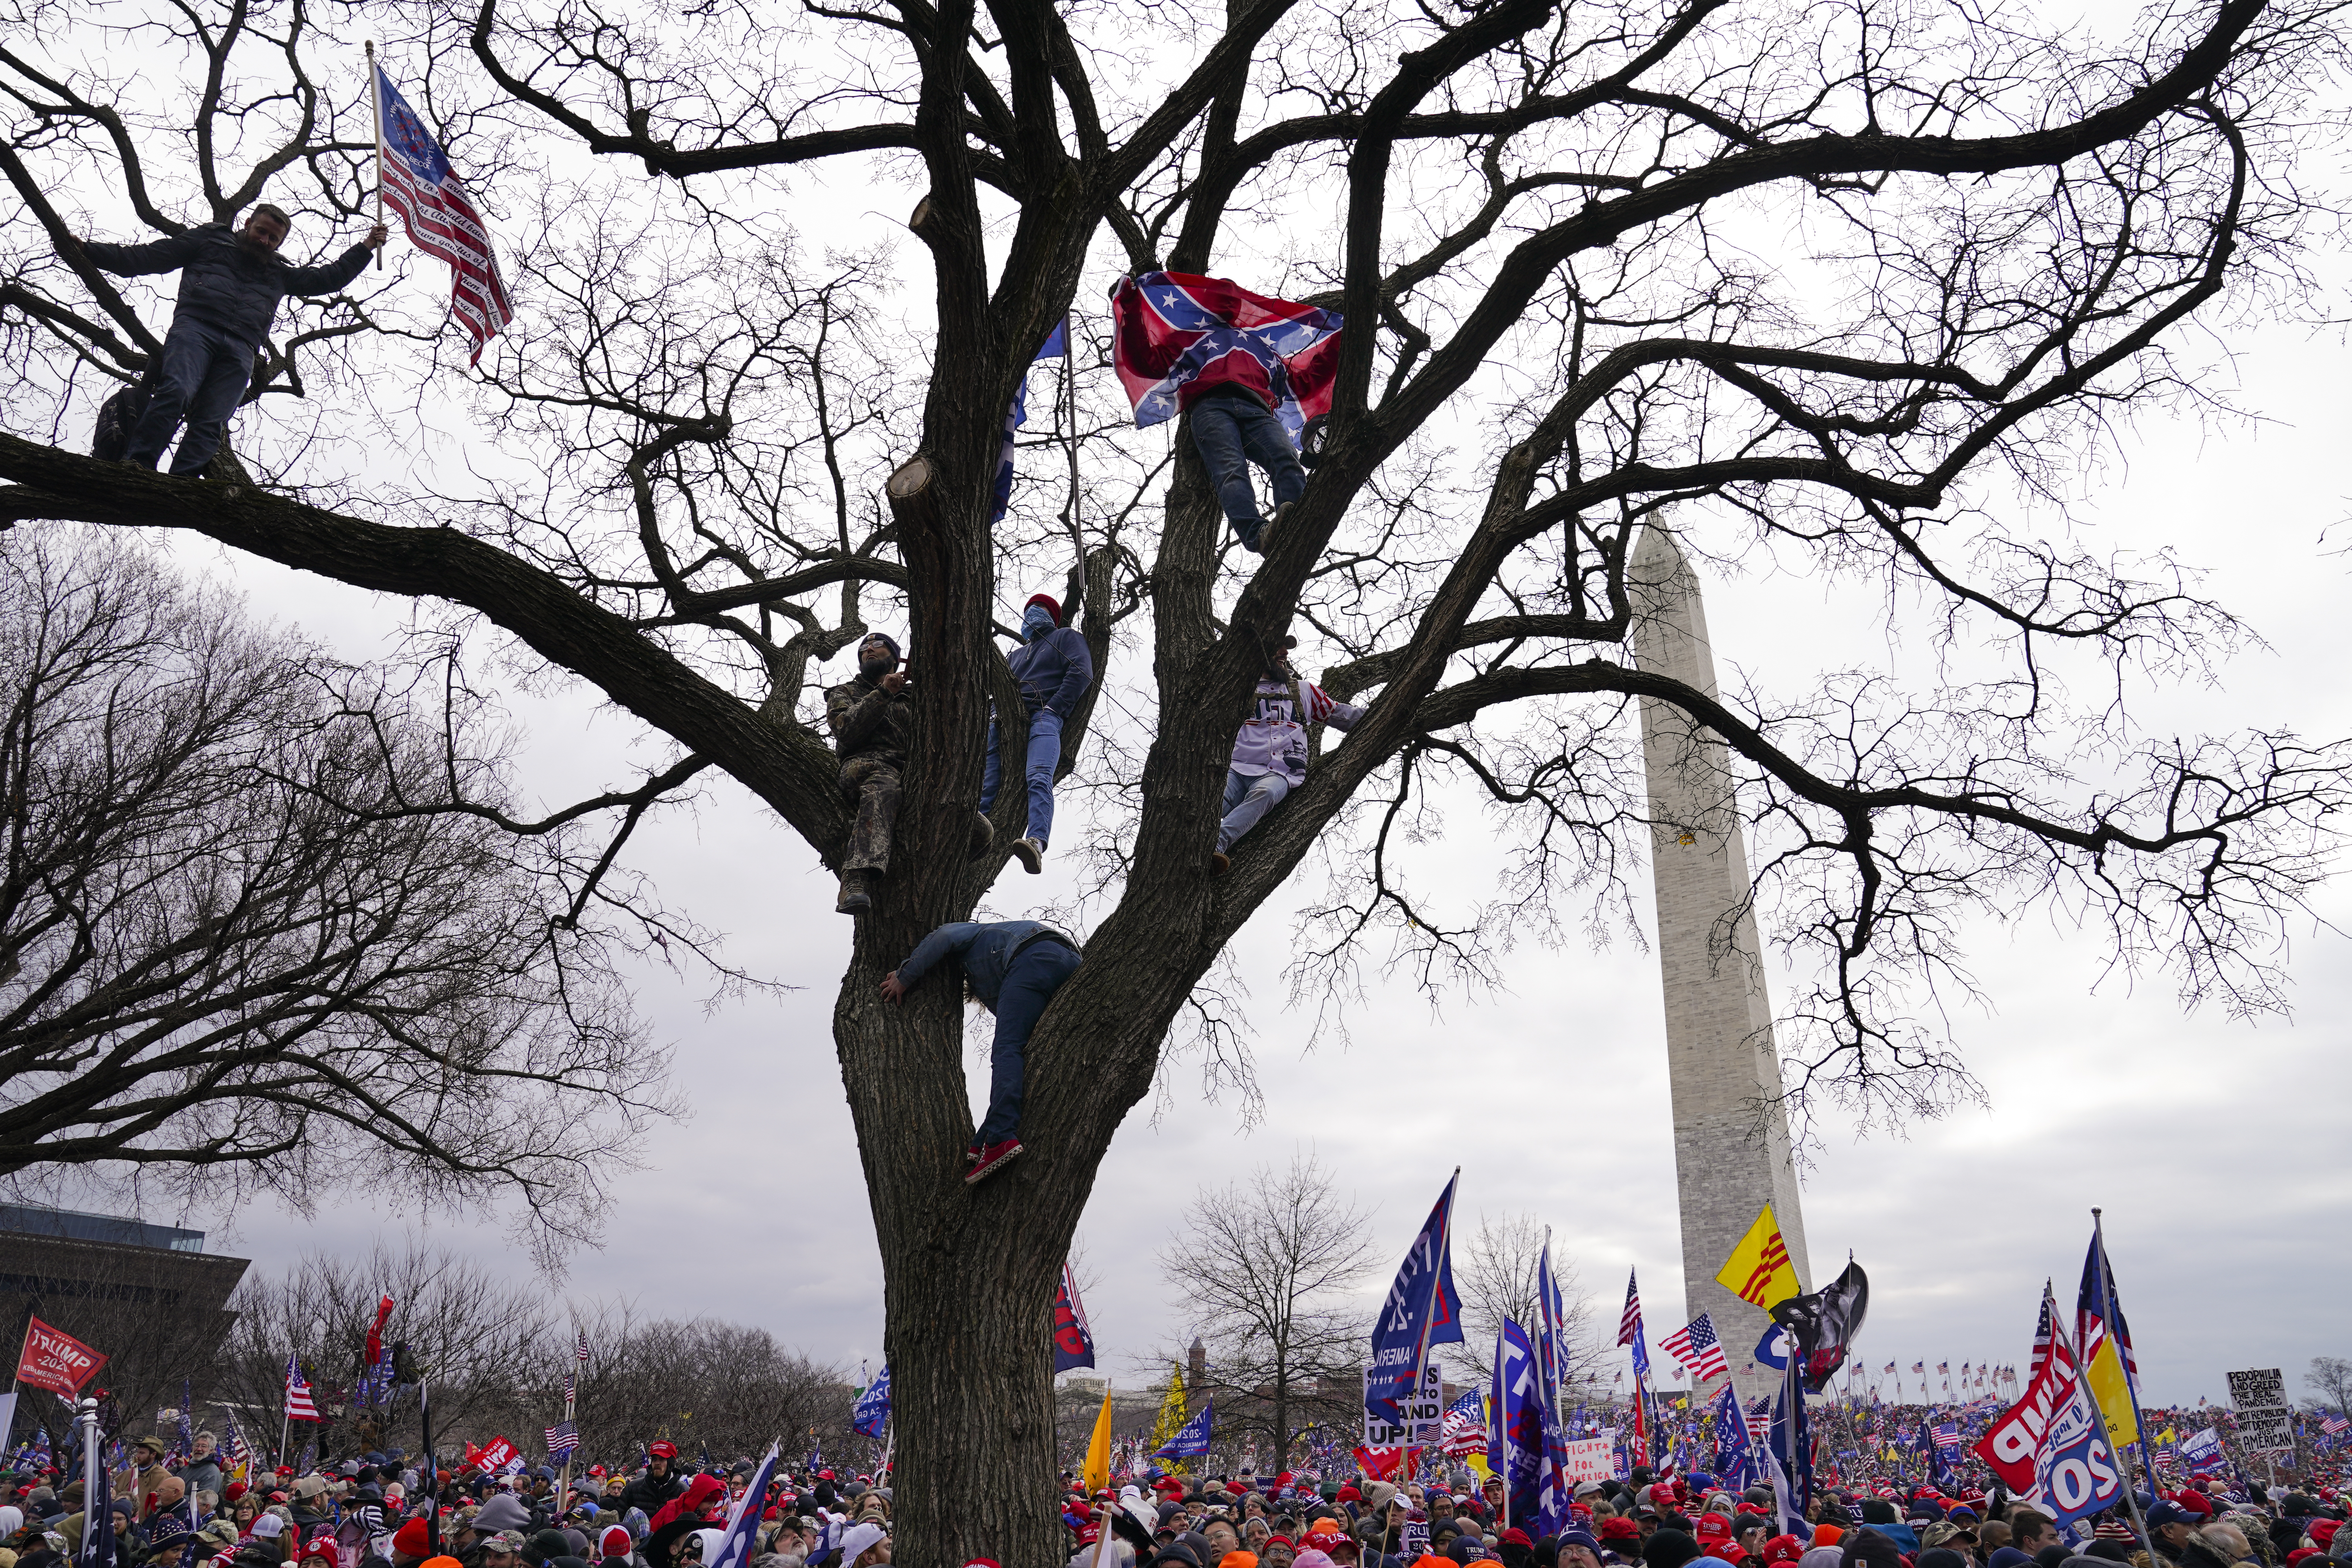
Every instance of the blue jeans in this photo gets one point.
(1232, 432)
(199, 377)
(1045, 755)
(1247, 799)
(1037, 971)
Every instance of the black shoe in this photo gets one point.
(1219, 865)
(983, 835)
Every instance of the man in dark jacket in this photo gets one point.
(661, 1480)
(1053, 668)
(1012, 968)
(230, 283)
(873, 720)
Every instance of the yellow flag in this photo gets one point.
(2107, 1382)
(1759, 1269)
(1478, 1463)
(2166, 1435)
(1097, 1474)
(1174, 1411)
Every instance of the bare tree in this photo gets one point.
(1826, 285)
(2331, 1377)
(472, 1333)
(1495, 1273)
(1264, 1271)
(232, 955)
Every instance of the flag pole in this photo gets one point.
(375, 112)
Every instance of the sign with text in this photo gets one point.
(497, 1454)
(1421, 1416)
(1589, 1458)
(2265, 1423)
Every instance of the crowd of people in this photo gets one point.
(386, 1509)
(1670, 1522)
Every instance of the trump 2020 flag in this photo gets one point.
(1192, 1440)
(1515, 1445)
(440, 218)
(1074, 1343)
(1176, 334)
(873, 1408)
(1420, 1311)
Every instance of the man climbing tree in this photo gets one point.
(1055, 670)
(1823, 282)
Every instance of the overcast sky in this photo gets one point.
(2215, 1145)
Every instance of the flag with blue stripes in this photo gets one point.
(1057, 346)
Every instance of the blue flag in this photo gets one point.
(1772, 1350)
(1515, 1448)
(1551, 1313)
(1055, 346)
(735, 1547)
(1192, 1441)
(1421, 1310)
(1735, 1451)
(873, 1408)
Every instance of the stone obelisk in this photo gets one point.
(1731, 1134)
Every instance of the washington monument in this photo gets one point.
(1729, 1160)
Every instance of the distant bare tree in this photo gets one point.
(474, 1333)
(702, 1384)
(1263, 1272)
(2331, 1377)
(240, 946)
(1495, 1273)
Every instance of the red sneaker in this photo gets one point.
(992, 1159)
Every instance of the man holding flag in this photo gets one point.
(230, 283)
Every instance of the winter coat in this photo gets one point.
(865, 721)
(1273, 738)
(140, 1485)
(1055, 671)
(987, 949)
(200, 1476)
(226, 282)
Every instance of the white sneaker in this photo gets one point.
(1031, 854)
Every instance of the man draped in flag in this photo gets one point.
(1250, 370)
(414, 179)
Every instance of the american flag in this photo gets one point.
(2043, 1333)
(1920, 1367)
(584, 1345)
(234, 1444)
(568, 1389)
(1759, 1417)
(298, 1405)
(440, 217)
(1629, 1325)
(2332, 1424)
(1462, 1432)
(1947, 1436)
(562, 1438)
(1695, 1345)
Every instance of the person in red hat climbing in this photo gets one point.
(1054, 669)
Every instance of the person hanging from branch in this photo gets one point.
(230, 283)
(1251, 374)
(1270, 750)
(1054, 669)
(1012, 968)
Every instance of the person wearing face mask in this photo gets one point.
(873, 720)
(1055, 669)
